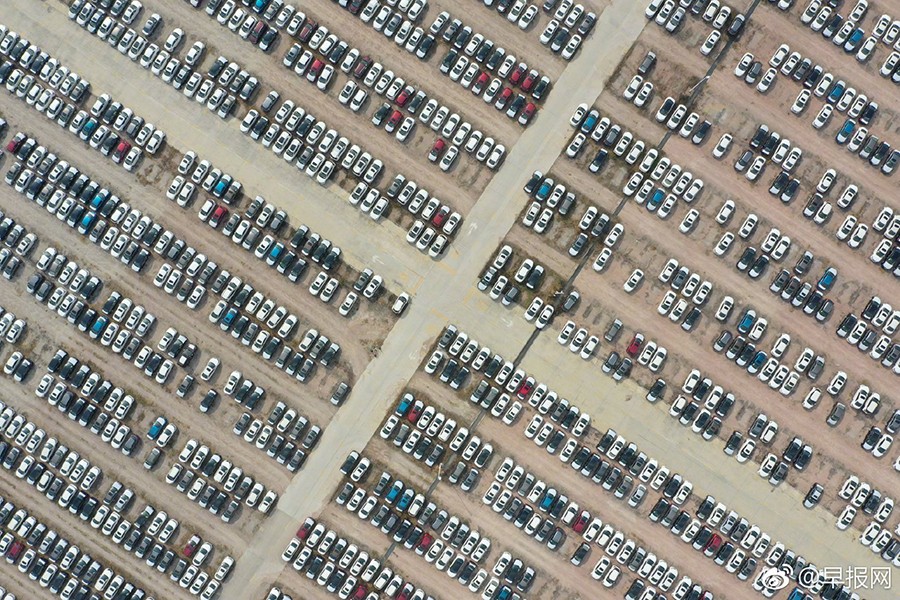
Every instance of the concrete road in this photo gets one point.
(190, 126)
(446, 293)
(777, 510)
(443, 291)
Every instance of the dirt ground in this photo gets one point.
(728, 103)
(859, 278)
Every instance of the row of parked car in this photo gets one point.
(196, 462)
(880, 315)
(420, 430)
(625, 551)
(373, 76)
(842, 32)
(95, 211)
(728, 539)
(104, 326)
(39, 63)
(341, 567)
(310, 135)
(502, 287)
(442, 539)
(580, 461)
(238, 311)
(90, 400)
(462, 64)
(147, 538)
(588, 122)
(52, 560)
(887, 251)
(102, 136)
(838, 96)
(255, 30)
(504, 373)
(875, 536)
(280, 436)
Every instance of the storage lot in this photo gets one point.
(382, 357)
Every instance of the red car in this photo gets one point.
(582, 521)
(404, 96)
(359, 71)
(415, 411)
(192, 545)
(16, 143)
(516, 76)
(15, 551)
(218, 215)
(307, 31)
(304, 530)
(525, 388)
(394, 121)
(713, 545)
(257, 32)
(480, 82)
(635, 344)
(424, 544)
(527, 114)
(503, 98)
(437, 150)
(530, 80)
(315, 70)
(441, 215)
(120, 151)
(360, 592)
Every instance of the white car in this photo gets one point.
(634, 280)
(711, 41)
(721, 148)
(689, 221)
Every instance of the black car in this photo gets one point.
(803, 458)
(836, 414)
(871, 438)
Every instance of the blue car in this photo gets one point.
(548, 500)
(88, 130)
(99, 199)
(757, 362)
(854, 40)
(394, 492)
(403, 406)
(87, 221)
(827, 280)
(98, 327)
(406, 499)
(156, 428)
(229, 318)
(747, 321)
(275, 253)
(588, 125)
(836, 92)
(544, 190)
(843, 135)
(655, 200)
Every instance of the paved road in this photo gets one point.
(778, 511)
(189, 125)
(444, 291)
(445, 294)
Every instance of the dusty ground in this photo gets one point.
(648, 243)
